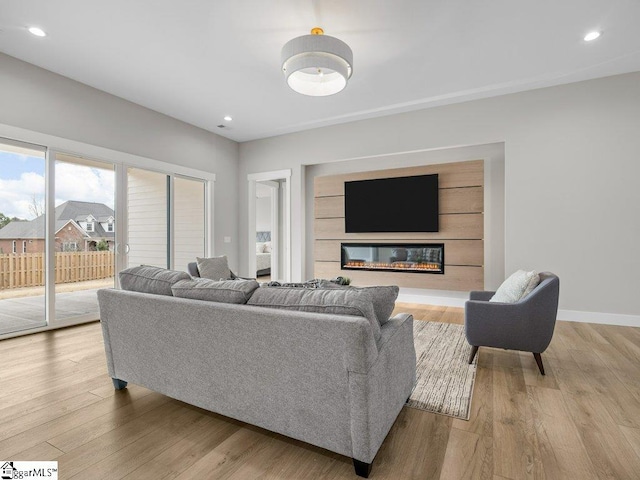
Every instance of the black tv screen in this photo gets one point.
(402, 204)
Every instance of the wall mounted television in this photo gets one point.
(401, 204)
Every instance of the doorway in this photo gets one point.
(269, 227)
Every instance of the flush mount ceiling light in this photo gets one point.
(38, 32)
(227, 118)
(317, 65)
(591, 36)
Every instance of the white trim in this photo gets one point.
(251, 231)
(82, 230)
(171, 250)
(275, 175)
(600, 317)
(50, 238)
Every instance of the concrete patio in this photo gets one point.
(22, 312)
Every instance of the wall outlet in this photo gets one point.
(227, 239)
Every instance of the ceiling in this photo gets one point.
(199, 60)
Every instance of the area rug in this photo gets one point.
(444, 379)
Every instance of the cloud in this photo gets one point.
(73, 182)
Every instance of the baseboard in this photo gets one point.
(567, 315)
(598, 317)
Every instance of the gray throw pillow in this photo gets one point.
(331, 301)
(215, 268)
(383, 297)
(146, 279)
(224, 291)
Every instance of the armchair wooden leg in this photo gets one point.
(474, 351)
(538, 358)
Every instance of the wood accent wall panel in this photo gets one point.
(461, 202)
(458, 226)
(450, 175)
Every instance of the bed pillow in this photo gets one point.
(260, 247)
(516, 287)
(147, 279)
(331, 301)
(214, 268)
(224, 291)
(383, 297)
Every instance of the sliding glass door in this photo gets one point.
(147, 218)
(69, 223)
(189, 224)
(166, 219)
(85, 225)
(22, 236)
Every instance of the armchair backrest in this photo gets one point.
(541, 308)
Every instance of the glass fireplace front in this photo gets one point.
(393, 257)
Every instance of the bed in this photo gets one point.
(263, 254)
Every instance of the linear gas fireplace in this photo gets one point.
(393, 257)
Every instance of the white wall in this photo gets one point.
(571, 172)
(263, 214)
(41, 101)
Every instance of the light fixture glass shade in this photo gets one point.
(317, 65)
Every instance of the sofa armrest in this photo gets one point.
(377, 396)
(481, 295)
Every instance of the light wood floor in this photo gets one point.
(580, 421)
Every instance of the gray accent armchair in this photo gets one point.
(526, 325)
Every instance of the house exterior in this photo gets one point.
(79, 227)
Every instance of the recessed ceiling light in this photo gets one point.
(227, 118)
(591, 36)
(38, 32)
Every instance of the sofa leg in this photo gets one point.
(474, 351)
(538, 358)
(362, 469)
(119, 384)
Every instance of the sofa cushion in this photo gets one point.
(383, 297)
(332, 301)
(214, 268)
(222, 291)
(147, 279)
(516, 287)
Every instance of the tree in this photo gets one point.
(102, 246)
(36, 207)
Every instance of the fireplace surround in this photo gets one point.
(393, 257)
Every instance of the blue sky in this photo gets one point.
(22, 179)
(13, 165)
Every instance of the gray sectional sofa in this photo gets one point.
(326, 379)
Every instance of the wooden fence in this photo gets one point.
(28, 269)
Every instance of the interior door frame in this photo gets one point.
(252, 178)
